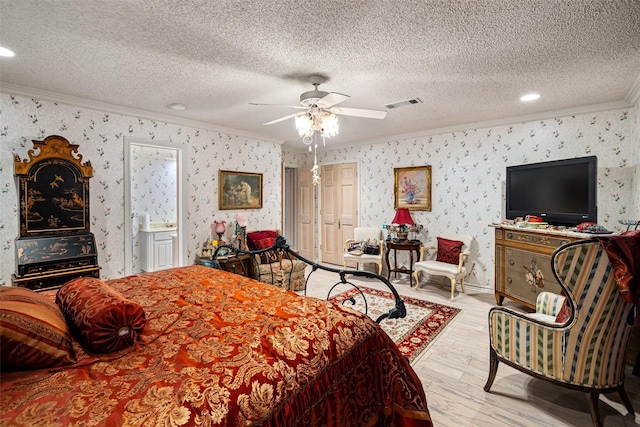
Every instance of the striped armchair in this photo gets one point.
(586, 352)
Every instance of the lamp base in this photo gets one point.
(402, 236)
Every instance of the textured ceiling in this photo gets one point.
(469, 61)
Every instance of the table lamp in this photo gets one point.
(401, 220)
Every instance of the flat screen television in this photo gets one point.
(563, 192)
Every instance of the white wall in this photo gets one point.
(468, 173)
(100, 136)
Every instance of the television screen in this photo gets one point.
(563, 192)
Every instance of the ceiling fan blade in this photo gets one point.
(284, 118)
(331, 99)
(300, 107)
(359, 112)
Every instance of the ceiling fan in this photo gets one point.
(318, 106)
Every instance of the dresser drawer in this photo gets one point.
(527, 274)
(545, 241)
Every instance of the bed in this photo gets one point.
(219, 349)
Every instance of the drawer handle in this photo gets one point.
(510, 235)
(512, 262)
(509, 280)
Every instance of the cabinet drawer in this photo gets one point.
(547, 241)
(162, 235)
(527, 274)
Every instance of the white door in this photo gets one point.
(306, 215)
(339, 201)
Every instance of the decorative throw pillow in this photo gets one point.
(257, 240)
(33, 331)
(103, 319)
(449, 250)
(564, 313)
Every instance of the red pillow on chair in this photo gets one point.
(449, 250)
(257, 240)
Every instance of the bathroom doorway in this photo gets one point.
(153, 202)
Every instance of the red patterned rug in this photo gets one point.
(413, 333)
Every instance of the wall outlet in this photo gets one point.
(204, 199)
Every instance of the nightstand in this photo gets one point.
(240, 264)
(407, 245)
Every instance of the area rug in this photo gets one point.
(412, 334)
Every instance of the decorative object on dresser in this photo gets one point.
(412, 188)
(452, 255)
(522, 262)
(55, 243)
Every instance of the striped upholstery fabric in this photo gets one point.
(549, 303)
(590, 350)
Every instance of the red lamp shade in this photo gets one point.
(403, 217)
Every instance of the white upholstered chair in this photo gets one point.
(363, 234)
(450, 261)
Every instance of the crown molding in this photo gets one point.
(11, 89)
(499, 122)
(633, 97)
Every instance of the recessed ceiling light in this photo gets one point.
(529, 97)
(177, 106)
(6, 52)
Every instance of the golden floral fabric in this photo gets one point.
(103, 320)
(220, 349)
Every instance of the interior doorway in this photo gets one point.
(338, 210)
(289, 206)
(154, 194)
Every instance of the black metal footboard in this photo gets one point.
(281, 248)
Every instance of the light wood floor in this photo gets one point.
(454, 369)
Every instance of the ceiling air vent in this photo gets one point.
(403, 103)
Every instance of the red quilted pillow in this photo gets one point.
(449, 250)
(104, 320)
(33, 331)
(257, 240)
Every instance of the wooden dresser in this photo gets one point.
(523, 262)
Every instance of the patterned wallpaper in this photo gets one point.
(101, 136)
(468, 173)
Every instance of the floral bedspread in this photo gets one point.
(223, 350)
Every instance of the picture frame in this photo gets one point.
(239, 190)
(412, 188)
(207, 252)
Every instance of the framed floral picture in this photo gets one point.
(412, 188)
(239, 190)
